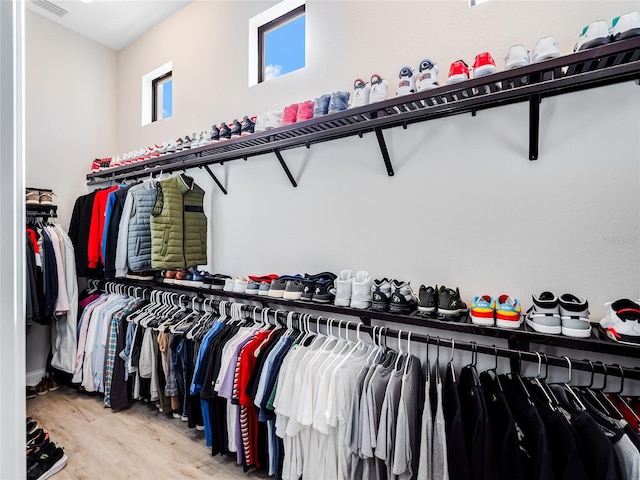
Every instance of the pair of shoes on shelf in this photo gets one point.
(503, 311)
(567, 315)
(330, 103)
(365, 93)
(599, 33)
(353, 291)
(443, 303)
(39, 197)
(395, 296)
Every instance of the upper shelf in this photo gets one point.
(613, 63)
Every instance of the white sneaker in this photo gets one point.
(239, 284)
(274, 119)
(379, 89)
(343, 285)
(594, 35)
(545, 49)
(427, 75)
(407, 83)
(361, 295)
(625, 26)
(228, 284)
(261, 123)
(361, 93)
(518, 56)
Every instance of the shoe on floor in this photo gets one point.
(47, 464)
(42, 388)
(407, 82)
(544, 314)
(381, 295)
(379, 89)
(31, 392)
(621, 323)
(483, 310)
(361, 291)
(508, 312)
(403, 300)
(593, 35)
(427, 75)
(574, 314)
(625, 26)
(361, 93)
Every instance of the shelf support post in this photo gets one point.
(215, 179)
(285, 168)
(534, 125)
(384, 151)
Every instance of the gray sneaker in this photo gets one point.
(293, 290)
(252, 288)
(264, 288)
(574, 313)
(544, 315)
(402, 298)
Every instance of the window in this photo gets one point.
(157, 94)
(162, 97)
(277, 41)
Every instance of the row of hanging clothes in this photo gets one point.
(51, 285)
(299, 397)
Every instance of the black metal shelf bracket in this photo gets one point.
(534, 125)
(285, 168)
(384, 151)
(215, 179)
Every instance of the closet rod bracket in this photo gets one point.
(284, 167)
(215, 179)
(384, 151)
(534, 125)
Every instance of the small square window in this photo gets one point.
(281, 45)
(162, 101)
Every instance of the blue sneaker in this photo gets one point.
(264, 288)
(252, 287)
(321, 105)
(339, 101)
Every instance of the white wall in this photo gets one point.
(70, 117)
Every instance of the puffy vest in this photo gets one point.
(178, 224)
(139, 239)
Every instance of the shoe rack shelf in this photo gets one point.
(613, 63)
(519, 339)
(41, 211)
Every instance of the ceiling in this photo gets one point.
(113, 23)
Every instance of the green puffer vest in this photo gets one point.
(178, 225)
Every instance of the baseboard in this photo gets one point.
(33, 378)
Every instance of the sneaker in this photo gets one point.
(427, 75)
(252, 287)
(218, 282)
(379, 89)
(274, 119)
(261, 123)
(181, 274)
(545, 49)
(228, 284)
(518, 56)
(263, 289)
(343, 286)
(240, 284)
(458, 72)
(622, 322)
(593, 35)
(215, 134)
(186, 143)
(293, 290)
(32, 427)
(47, 464)
(33, 196)
(95, 165)
(305, 111)
(544, 314)
(508, 312)
(179, 145)
(361, 296)
(236, 128)
(309, 284)
(263, 278)
(225, 132)
(289, 114)
(427, 300)
(407, 83)
(361, 93)
(381, 295)
(450, 304)
(625, 26)
(338, 102)
(42, 388)
(169, 276)
(248, 126)
(53, 384)
(322, 293)
(278, 285)
(35, 452)
(46, 198)
(483, 310)
(31, 392)
(484, 65)
(195, 279)
(321, 105)
(574, 314)
(402, 299)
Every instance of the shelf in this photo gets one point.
(609, 64)
(519, 338)
(41, 210)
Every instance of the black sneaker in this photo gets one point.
(402, 299)
(248, 126)
(236, 128)
(427, 300)
(36, 438)
(34, 451)
(31, 392)
(381, 295)
(321, 293)
(179, 144)
(32, 426)
(47, 465)
(225, 132)
(309, 284)
(218, 281)
(215, 134)
(450, 305)
(186, 143)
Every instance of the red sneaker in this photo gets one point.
(305, 111)
(458, 72)
(484, 65)
(289, 114)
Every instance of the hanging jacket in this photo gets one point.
(178, 224)
(143, 198)
(79, 233)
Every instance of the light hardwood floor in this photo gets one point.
(138, 443)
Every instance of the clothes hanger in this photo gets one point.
(620, 400)
(515, 376)
(493, 372)
(610, 408)
(450, 364)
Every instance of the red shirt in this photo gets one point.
(96, 228)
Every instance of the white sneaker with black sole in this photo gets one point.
(594, 35)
